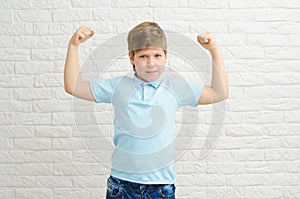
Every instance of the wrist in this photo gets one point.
(72, 44)
(214, 50)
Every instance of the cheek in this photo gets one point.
(139, 69)
(140, 63)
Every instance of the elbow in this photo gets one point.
(226, 95)
(68, 90)
(222, 97)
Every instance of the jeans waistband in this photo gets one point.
(136, 185)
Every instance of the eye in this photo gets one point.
(158, 55)
(143, 56)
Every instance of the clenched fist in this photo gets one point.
(207, 41)
(81, 35)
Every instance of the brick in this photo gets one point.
(244, 130)
(46, 80)
(6, 143)
(250, 117)
(7, 67)
(5, 181)
(190, 192)
(59, 28)
(33, 42)
(271, 92)
(246, 155)
(20, 82)
(33, 193)
(16, 131)
(262, 4)
(267, 40)
(27, 16)
(292, 116)
(282, 179)
(23, 181)
(63, 119)
(15, 4)
(72, 15)
(246, 79)
(247, 28)
(53, 182)
(52, 156)
(6, 16)
(33, 144)
(32, 94)
(213, 27)
(202, 180)
(33, 118)
(167, 4)
(7, 193)
(68, 144)
(286, 27)
(245, 180)
(279, 14)
(283, 129)
(208, 4)
(34, 67)
(71, 193)
(7, 169)
(48, 54)
(6, 41)
(263, 192)
(87, 182)
(17, 156)
(11, 54)
(6, 118)
(48, 4)
(53, 131)
(74, 169)
(263, 167)
(282, 154)
(225, 168)
(284, 53)
(33, 169)
(226, 192)
(188, 168)
(83, 156)
(91, 3)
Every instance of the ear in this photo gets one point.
(131, 57)
(166, 57)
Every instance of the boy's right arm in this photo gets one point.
(73, 82)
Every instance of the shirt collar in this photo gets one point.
(138, 82)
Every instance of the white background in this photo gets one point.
(257, 154)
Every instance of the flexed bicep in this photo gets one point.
(82, 90)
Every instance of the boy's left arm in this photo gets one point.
(218, 90)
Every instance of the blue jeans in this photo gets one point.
(121, 189)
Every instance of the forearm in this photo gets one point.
(72, 73)
(219, 82)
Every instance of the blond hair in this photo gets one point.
(146, 34)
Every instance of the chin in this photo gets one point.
(148, 77)
(151, 79)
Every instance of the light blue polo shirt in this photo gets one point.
(144, 124)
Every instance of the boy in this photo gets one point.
(134, 174)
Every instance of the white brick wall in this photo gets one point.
(258, 153)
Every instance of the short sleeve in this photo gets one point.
(103, 90)
(197, 91)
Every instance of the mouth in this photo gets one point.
(151, 72)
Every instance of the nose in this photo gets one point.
(151, 61)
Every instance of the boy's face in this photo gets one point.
(149, 63)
